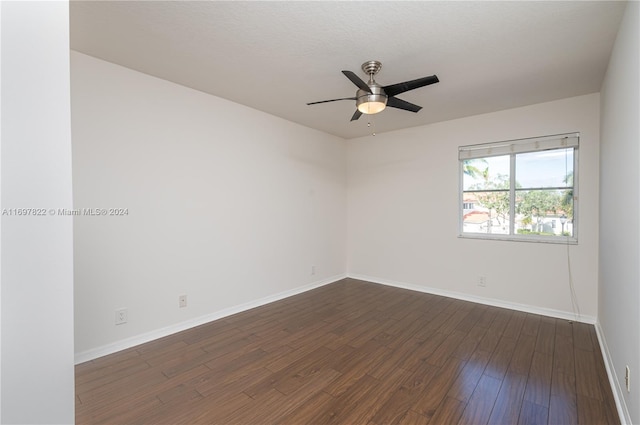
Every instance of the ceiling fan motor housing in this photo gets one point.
(371, 103)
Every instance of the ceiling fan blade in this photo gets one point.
(332, 100)
(398, 88)
(357, 81)
(394, 102)
(356, 115)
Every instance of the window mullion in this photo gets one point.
(512, 194)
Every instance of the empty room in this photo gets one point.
(230, 212)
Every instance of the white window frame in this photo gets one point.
(513, 147)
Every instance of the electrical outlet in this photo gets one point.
(121, 316)
(182, 301)
(482, 281)
(313, 270)
(627, 379)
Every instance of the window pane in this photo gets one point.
(520, 190)
(544, 212)
(553, 168)
(486, 212)
(486, 173)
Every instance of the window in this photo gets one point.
(520, 190)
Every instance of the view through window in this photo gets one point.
(520, 190)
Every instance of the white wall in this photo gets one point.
(227, 204)
(403, 213)
(0, 209)
(619, 300)
(37, 252)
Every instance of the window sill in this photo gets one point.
(564, 240)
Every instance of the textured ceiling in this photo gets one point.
(277, 56)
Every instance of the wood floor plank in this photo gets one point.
(564, 329)
(476, 312)
(501, 320)
(454, 320)
(563, 385)
(302, 339)
(448, 412)
(227, 335)
(563, 409)
(337, 407)
(122, 388)
(522, 354)
(438, 387)
(395, 408)
(423, 350)
(499, 362)
(591, 410)
(395, 357)
(509, 400)
(513, 328)
(480, 405)
(464, 386)
(587, 382)
(539, 383)
(316, 358)
(445, 350)
(366, 358)
(413, 418)
(132, 414)
(169, 391)
(469, 343)
(489, 340)
(284, 361)
(209, 410)
(355, 352)
(582, 336)
(374, 398)
(533, 414)
(442, 316)
(211, 386)
(149, 354)
(104, 376)
(184, 355)
(301, 413)
(546, 336)
(404, 330)
(564, 359)
(268, 409)
(488, 316)
(531, 324)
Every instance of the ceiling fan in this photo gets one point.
(372, 98)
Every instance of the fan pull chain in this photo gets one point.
(369, 124)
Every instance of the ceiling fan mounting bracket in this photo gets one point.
(371, 68)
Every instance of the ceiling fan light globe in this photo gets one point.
(371, 107)
(371, 103)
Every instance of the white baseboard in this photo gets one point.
(621, 405)
(188, 324)
(480, 300)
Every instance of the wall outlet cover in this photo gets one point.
(122, 315)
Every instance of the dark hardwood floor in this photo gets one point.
(357, 353)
